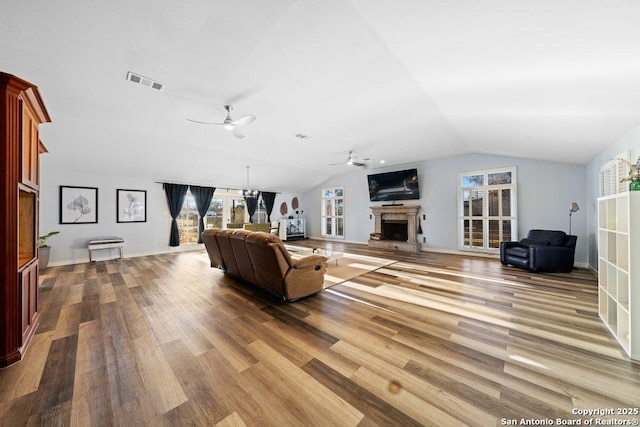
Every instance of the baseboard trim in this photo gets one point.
(170, 250)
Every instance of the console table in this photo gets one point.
(107, 243)
(291, 229)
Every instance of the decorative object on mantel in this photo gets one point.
(247, 193)
(283, 208)
(634, 175)
(44, 250)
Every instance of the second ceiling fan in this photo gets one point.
(230, 124)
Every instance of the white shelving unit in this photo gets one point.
(619, 268)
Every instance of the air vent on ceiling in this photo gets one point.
(144, 81)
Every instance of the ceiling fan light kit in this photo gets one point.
(230, 124)
(352, 160)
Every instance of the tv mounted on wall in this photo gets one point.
(397, 185)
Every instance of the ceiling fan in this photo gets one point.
(230, 124)
(352, 160)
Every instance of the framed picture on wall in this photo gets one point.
(78, 205)
(131, 205)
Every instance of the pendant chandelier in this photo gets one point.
(247, 193)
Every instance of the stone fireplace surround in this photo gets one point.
(396, 215)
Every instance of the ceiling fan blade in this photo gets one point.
(236, 132)
(336, 164)
(244, 120)
(359, 164)
(206, 123)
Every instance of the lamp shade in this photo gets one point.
(574, 207)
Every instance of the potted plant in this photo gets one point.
(634, 176)
(44, 250)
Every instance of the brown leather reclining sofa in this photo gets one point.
(261, 259)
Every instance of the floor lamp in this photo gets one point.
(574, 208)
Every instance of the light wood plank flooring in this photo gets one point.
(431, 339)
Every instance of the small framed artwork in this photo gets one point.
(131, 205)
(78, 205)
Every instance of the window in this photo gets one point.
(260, 216)
(487, 209)
(332, 213)
(612, 174)
(188, 220)
(236, 210)
(214, 218)
(225, 208)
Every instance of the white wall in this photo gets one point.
(151, 237)
(545, 192)
(630, 141)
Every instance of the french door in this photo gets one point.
(487, 209)
(332, 213)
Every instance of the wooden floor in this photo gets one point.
(432, 339)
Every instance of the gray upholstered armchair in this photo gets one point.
(541, 250)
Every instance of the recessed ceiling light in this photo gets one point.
(382, 161)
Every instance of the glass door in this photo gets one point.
(214, 218)
(236, 210)
(333, 213)
(487, 209)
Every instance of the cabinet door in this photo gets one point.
(29, 300)
(29, 149)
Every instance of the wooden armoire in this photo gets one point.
(21, 114)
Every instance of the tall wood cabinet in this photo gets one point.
(619, 268)
(21, 114)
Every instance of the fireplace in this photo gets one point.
(396, 228)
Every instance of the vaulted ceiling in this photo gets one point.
(400, 81)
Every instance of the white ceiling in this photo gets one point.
(400, 81)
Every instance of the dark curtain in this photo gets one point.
(252, 205)
(175, 199)
(202, 196)
(269, 199)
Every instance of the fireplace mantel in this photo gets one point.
(397, 213)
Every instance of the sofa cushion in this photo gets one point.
(530, 242)
(518, 251)
(555, 238)
(211, 243)
(270, 260)
(229, 258)
(257, 227)
(245, 267)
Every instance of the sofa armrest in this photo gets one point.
(503, 247)
(551, 258)
(305, 277)
(309, 261)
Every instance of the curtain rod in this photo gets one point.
(223, 187)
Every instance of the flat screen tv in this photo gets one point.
(398, 185)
